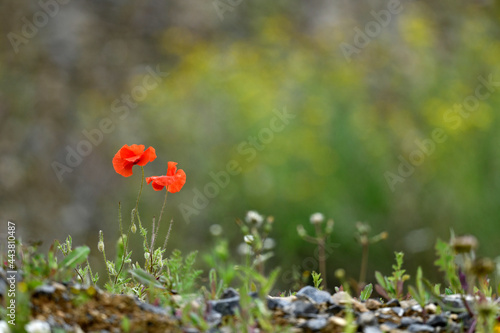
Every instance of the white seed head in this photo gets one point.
(215, 230)
(317, 218)
(254, 218)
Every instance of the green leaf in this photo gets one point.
(380, 279)
(78, 256)
(145, 278)
(367, 292)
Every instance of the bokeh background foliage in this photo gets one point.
(353, 119)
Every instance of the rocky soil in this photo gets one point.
(76, 308)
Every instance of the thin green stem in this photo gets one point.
(364, 262)
(321, 254)
(168, 234)
(161, 214)
(132, 222)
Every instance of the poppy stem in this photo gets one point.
(161, 213)
(136, 213)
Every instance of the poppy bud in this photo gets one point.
(100, 246)
(133, 228)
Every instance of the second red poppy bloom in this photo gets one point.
(173, 181)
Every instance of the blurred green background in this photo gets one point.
(231, 66)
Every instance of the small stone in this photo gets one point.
(407, 321)
(37, 326)
(408, 303)
(398, 311)
(437, 320)
(274, 303)
(431, 308)
(229, 293)
(335, 309)
(358, 306)
(337, 321)
(420, 328)
(341, 298)
(388, 326)
(415, 309)
(225, 307)
(301, 308)
(318, 296)
(371, 329)
(316, 324)
(393, 302)
(372, 304)
(367, 319)
(44, 290)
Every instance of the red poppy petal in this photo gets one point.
(149, 179)
(178, 182)
(148, 156)
(121, 166)
(171, 169)
(131, 153)
(157, 187)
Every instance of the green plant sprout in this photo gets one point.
(392, 287)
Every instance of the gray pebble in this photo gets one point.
(420, 328)
(371, 329)
(367, 319)
(316, 324)
(318, 296)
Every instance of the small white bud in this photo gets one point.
(317, 218)
(248, 239)
(100, 246)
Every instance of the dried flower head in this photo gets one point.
(317, 218)
(464, 244)
(483, 266)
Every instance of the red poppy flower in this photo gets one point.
(174, 180)
(128, 156)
